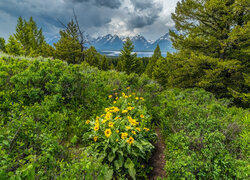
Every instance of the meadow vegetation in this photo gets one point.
(67, 112)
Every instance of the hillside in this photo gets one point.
(73, 121)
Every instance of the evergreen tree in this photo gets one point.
(104, 63)
(215, 28)
(13, 47)
(92, 57)
(213, 46)
(153, 60)
(162, 72)
(2, 44)
(68, 47)
(31, 38)
(128, 61)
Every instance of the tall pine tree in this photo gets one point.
(128, 60)
(68, 47)
(213, 46)
(153, 60)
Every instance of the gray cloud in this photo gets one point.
(114, 4)
(145, 13)
(96, 17)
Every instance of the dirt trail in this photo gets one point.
(158, 159)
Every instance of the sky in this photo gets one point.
(150, 18)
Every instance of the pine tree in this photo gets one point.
(104, 63)
(128, 58)
(68, 47)
(153, 60)
(92, 57)
(162, 71)
(2, 44)
(30, 37)
(13, 47)
(213, 45)
(214, 28)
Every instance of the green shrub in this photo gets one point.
(205, 139)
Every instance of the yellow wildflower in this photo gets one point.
(110, 96)
(123, 94)
(128, 127)
(133, 132)
(130, 108)
(141, 98)
(111, 124)
(116, 98)
(95, 138)
(108, 115)
(116, 118)
(128, 88)
(146, 129)
(136, 98)
(96, 127)
(133, 93)
(142, 116)
(126, 97)
(142, 166)
(116, 140)
(124, 135)
(138, 129)
(129, 95)
(117, 131)
(107, 133)
(102, 115)
(129, 104)
(114, 102)
(88, 121)
(130, 140)
(124, 111)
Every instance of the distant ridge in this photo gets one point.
(114, 43)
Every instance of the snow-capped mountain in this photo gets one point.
(140, 43)
(115, 43)
(164, 43)
(108, 42)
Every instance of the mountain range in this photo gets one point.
(115, 43)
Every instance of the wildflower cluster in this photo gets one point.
(121, 126)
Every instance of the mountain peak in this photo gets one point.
(114, 42)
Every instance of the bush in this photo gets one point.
(121, 136)
(204, 138)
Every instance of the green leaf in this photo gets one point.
(109, 174)
(118, 163)
(6, 142)
(111, 156)
(130, 166)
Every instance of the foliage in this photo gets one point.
(213, 48)
(92, 57)
(121, 135)
(204, 138)
(68, 47)
(13, 47)
(2, 44)
(128, 61)
(43, 104)
(28, 40)
(153, 61)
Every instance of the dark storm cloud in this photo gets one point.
(146, 13)
(113, 4)
(140, 21)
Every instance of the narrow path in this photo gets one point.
(158, 159)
